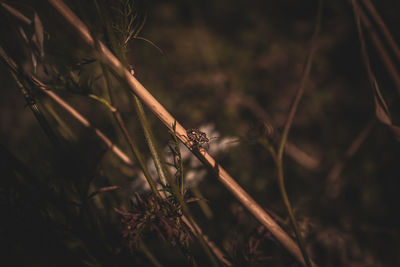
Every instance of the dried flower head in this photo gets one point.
(154, 214)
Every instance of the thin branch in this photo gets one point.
(170, 121)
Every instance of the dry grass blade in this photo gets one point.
(390, 66)
(16, 13)
(102, 190)
(217, 252)
(381, 108)
(332, 188)
(386, 33)
(170, 121)
(39, 34)
(291, 150)
(115, 149)
(292, 112)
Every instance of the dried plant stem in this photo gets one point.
(385, 31)
(16, 13)
(37, 112)
(120, 51)
(337, 169)
(291, 150)
(390, 66)
(285, 133)
(115, 149)
(161, 168)
(303, 81)
(134, 148)
(151, 142)
(217, 252)
(381, 108)
(170, 121)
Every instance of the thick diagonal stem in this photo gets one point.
(170, 121)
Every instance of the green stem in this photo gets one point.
(151, 142)
(202, 203)
(157, 157)
(134, 148)
(288, 124)
(285, 198)
(30, 101)
(179, 156)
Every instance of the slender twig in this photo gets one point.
(120, 50)
(386, 33)
(303, 81)
(169, 121)
(291, 150)
(337, 169)
(387, 61)
(217, 252)
(285, 133)
(16, 13)
(381, 108)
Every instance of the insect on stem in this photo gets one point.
(197, 138)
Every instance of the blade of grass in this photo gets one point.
(115, 149)
(151, 142)
(381, 108)
(16, 13)
(30, 101)
(169, 121)
(134, 148)
(117, 115)
(120, 49)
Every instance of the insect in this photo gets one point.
(197, 138)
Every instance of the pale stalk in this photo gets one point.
(223, 176)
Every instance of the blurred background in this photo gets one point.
(232, 69)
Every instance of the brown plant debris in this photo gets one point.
(154, 214)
